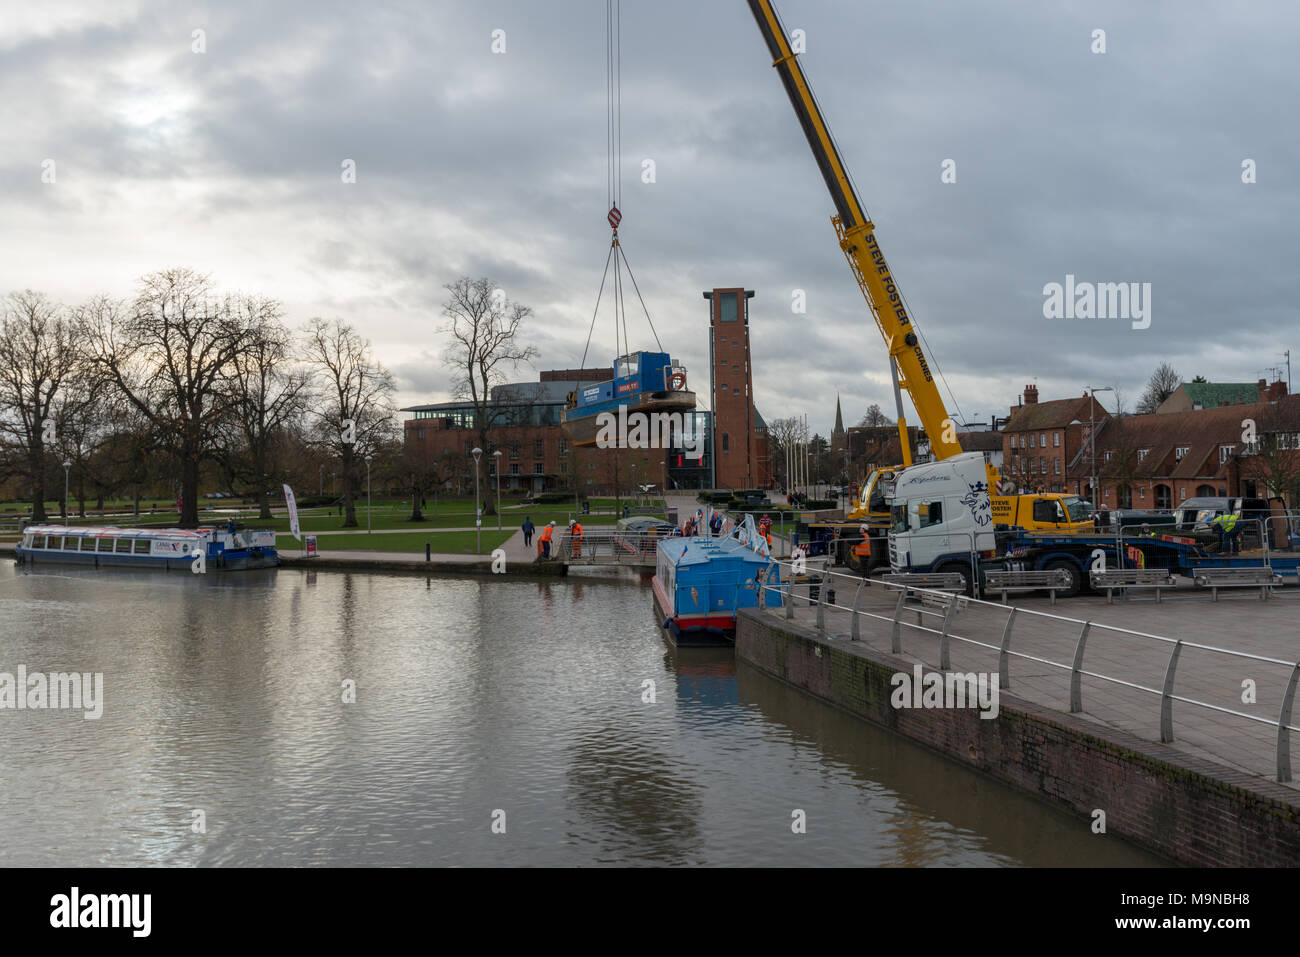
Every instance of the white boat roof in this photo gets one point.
(108, 531)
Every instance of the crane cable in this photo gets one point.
(614, 191)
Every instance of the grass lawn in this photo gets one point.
(449, 543)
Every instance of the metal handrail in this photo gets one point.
(946, 634)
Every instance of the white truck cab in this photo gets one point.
(940, 512)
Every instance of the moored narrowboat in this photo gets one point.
(700, 583)
(643, 382)
(222, 549)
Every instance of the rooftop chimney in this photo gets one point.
(1031, 394)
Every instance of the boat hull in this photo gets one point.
(223, 562)
(582, 426)
(697, 631)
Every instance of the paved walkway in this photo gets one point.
(1237, 622)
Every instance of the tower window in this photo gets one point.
(728, 308)
(726, 442)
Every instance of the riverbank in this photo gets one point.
(1182, 805)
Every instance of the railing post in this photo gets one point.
(944, 662)
(1004, 668)
(1076, 684)
(1167, 697)
(896, 639)
(789, 595)
(1283, 734)
(856, 632)
(821, 601)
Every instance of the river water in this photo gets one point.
(225, 739)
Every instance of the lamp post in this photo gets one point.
(478, 512)
(1092, 437)
(496, 468)
(67, 467)
(322, 481)
(369, 459)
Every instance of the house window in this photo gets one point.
(1057, 467)
(419, 433)
(514, 470)
(735, 392)
(1106, 456)
(1056, 440)
(1142, 492)
(538, 448)
(514, 453)
(1225, 452)
(723, 387)
(1180, 452)
(1182, 494)
(539, 468)
(1013, 441)
(1042, 440)
(1142, 454)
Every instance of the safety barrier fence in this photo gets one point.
(944, 606)
(605, 545)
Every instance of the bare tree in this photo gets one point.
(875, 416)
(268, 394)
(484, 328)
(354, 414)
(1162, 384)
(171, 353)
(782, 434)
(41, 350)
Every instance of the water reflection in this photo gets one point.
(224, 694)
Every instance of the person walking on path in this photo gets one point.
(528, 528)
(547, 532)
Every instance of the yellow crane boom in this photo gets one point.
(857, 238)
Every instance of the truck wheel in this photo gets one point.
(1071, 569)
(962, 570)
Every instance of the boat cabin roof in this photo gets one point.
(107, 531)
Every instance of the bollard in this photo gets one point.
(428, 552)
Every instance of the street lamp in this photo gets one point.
(478, 512)
(1092, 438)
(496, 466)
(369, 459)
(67, 466)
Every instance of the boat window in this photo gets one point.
(141, 546)
(123, 545)
(105, 544)
(38, 541)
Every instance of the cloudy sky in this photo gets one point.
(1117, 167)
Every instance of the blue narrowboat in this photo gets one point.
(700, 583)
(643, 382)
(222, 549)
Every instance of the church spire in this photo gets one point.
(839, 419)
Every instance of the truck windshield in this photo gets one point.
(1077, 511)
(898, 518)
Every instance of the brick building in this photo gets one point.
(536, 456)
(1158, 460)
(740, 444)
(1041, 439)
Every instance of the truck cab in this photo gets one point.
(940, 513)
(1042, 512)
